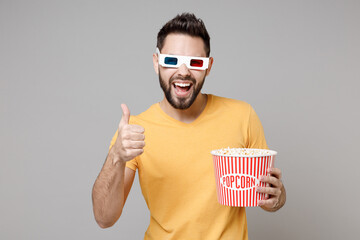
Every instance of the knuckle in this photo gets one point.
(125, 135)
(126, 145)
(128, 154)
(125, 155)
(275, 181)
(278, 181)
(126, 127)
(276, 203)
(123, 131)
(141, 128)
(277, 192)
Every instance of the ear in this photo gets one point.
(211, 61)
(156, 63)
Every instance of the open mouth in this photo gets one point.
(182, 88)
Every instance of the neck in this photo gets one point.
(185, 115)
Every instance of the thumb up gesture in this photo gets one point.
(130, 139)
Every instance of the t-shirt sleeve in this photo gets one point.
(256, 137)
(132, 164)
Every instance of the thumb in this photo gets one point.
(126, 114)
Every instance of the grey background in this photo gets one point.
(66, 66)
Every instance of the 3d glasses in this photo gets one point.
(175, 61)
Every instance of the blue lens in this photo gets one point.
(171, 60)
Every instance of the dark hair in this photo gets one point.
(186, 23)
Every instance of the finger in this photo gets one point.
(275, 172)
(132, 132)
(130, 144)
(134, 136)
(269, 203)
(126, 114)
(132, 153)
(136, 128)
(272, 180)
(137, 144)
(268, 190)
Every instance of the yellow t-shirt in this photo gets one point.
(176, 171)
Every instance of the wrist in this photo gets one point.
(115, 158)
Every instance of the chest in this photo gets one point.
(182, 154)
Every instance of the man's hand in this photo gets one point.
(130, 140)
(114, 182)
(276, 191)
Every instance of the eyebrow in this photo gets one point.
(183, 55)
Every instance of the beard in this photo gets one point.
(177, 102)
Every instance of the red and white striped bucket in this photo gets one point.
(238, 175)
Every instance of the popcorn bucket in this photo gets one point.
(237, 172)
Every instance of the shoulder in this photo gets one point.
(229, 104)
(148, 115)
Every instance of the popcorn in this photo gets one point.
(237, 173)
(242, 152)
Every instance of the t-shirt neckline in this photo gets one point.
(201, 116)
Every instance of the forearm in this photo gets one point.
(108, 192)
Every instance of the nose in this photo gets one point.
(184, 70)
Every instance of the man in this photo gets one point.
(175, 167)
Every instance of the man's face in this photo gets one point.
(181, 85)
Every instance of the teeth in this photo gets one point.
(182, 84)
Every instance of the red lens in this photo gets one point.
(196, 63)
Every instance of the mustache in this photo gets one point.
(188, 78)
